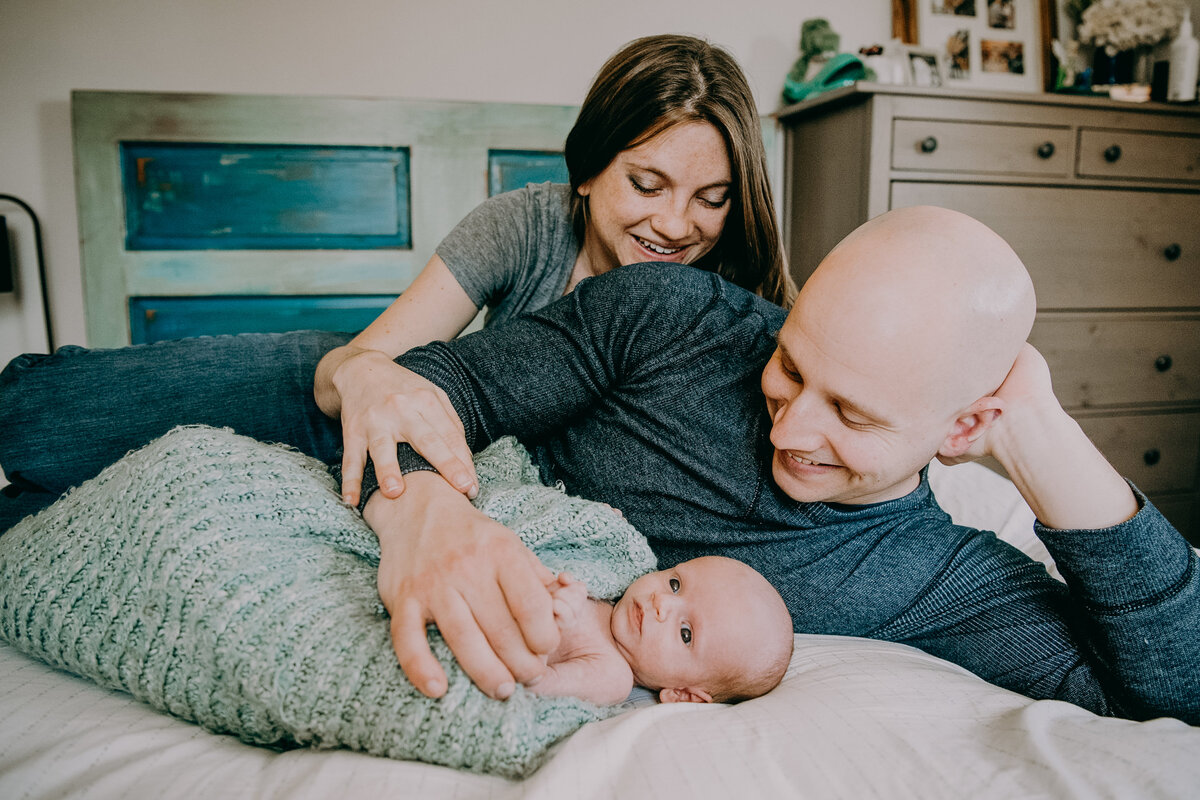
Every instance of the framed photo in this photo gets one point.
(925, 67)
(983, 44)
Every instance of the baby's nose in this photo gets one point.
(662, 605)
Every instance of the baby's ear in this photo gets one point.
(684, 696)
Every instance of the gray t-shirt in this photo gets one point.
(515, 252)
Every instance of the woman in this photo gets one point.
(666, 163)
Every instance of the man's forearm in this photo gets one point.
(1066, 481)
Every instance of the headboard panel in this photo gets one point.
(350, 197)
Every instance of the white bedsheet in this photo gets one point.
(852, 719)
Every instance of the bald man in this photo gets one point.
(798, 445)
(720, 425)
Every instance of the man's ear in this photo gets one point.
(684, 696)
(970, 424)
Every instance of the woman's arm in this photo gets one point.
(378, 399)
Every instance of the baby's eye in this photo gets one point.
(674, 584)
(685, 632)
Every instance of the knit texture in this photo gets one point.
(222, 580)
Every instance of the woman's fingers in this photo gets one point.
(417, 413)
(434, 430)
(387, 468)
(457, 440)
(354, 457)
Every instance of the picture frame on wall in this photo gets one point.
(1001, 45)
(925, 67)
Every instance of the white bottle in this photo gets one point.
(1185, 62)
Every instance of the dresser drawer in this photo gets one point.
(1118, 359)
(1158, 452)
(1149, 156)
(1086, 248)
(1180, 511)
(940, 146)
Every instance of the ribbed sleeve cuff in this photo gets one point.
(1137, 563)
(409, 461)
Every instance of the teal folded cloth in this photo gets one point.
(223, 581)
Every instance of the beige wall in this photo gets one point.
(541, 51)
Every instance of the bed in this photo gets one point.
(853, 718)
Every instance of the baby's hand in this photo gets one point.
(569, 596)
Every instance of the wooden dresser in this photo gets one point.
(1102, 202)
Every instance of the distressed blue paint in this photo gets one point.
(201, 196)
(512, 169)
(153, 319)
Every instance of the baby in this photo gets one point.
(708, 630)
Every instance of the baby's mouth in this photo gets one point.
(662, 251)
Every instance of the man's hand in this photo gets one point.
(1027, 388)
(383, 404)
(1066, 481)
(445, 562)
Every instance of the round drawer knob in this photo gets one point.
(1045, 149)
(1152, 456)
(1163, 363)
(928, 144)
(1173, 251)
(1112, 153)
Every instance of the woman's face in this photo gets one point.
(664, 200)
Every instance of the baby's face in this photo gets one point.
(681, 627)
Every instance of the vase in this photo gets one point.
(1143, 65)
(1111, 69)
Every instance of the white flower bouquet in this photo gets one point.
(1118, 25)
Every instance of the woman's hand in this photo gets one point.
(443, 561)
(383, 404)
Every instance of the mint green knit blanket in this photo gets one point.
(222, 580)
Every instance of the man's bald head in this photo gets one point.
(932, 291)
(892, 354)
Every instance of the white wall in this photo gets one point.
(540, 51)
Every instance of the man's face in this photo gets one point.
(680, 627)
(850, 424)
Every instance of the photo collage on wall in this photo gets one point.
(983, 44)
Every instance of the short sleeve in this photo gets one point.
(515, 251)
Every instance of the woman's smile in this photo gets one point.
(663, 251)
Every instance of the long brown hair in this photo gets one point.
(654, 83)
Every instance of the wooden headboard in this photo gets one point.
(204, 214)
